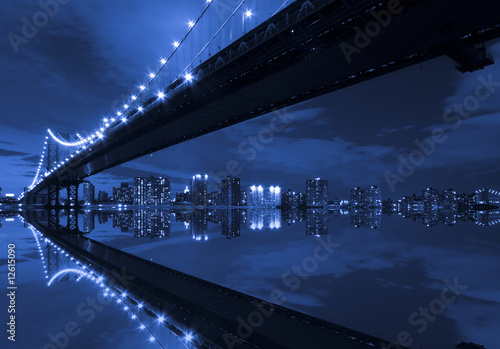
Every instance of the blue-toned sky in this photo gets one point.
(76, 68)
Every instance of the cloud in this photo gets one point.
(7, 143)
(35, 159)
(5, 152)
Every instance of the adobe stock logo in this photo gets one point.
(30, 28)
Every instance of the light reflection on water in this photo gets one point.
(386, 268)
(383, 270)
(63, 303)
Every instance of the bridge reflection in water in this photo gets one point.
(202, 314)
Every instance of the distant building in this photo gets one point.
(199, 190)
(256, 196)
(273, 198)
(290, 199)
(317, 192)
(302, 200)
(151, 191)
(88, 193)
(231, 193)
(102, 196)
(358, 198)
(412, 205)
(259, 196)
(365, 198)
(214, 198)
(124, 194)
(373, 197)
(449, 199)
(431, 199)
(243, 198)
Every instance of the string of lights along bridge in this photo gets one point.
(240, 19)
(136, 309)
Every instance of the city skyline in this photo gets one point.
(333, 136)
(372, 194)
(254, 174)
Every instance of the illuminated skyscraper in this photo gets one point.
(88, 193)
(358, 198)
(317, 192)
(373, 197)
(231, 193)
(199, 190)
(290, 199)
(123, 194)
(256, 196)
(259, 196)
(151, 191)
(273, 198)
(431, 199)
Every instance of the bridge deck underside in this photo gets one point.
(290, 67)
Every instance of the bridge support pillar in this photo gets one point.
(72, 189)
(53, 195)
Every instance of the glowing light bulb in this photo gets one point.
(176, 44)
(142, 87)
(161, 95)
(191, 24)
(163, 61)
(151, 75)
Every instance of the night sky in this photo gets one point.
(73, 72)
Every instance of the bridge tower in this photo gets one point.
(52, 157)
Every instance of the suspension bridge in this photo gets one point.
(306, 49)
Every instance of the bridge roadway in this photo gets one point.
(292, 57)
(209, 310)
